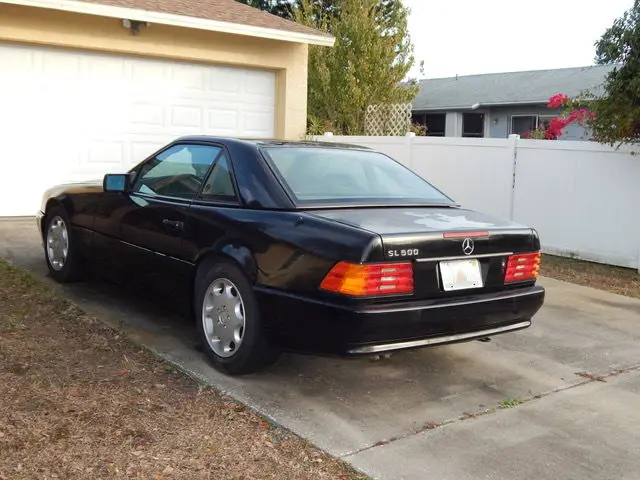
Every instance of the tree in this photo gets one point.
(284, 8)
(617, 111)
(366, 66)
(281, 8)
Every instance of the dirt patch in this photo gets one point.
(623, 281)
(80, 401)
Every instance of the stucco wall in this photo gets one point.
(88, 32)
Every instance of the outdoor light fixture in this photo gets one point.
(134, 25)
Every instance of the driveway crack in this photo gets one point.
(589, 378)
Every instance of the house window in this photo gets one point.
(435, 123)
(473, 124)
(521, 124)
(418, 118)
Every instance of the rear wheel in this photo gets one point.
(60, 247)
(230, 328)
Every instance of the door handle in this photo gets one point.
(173, 224)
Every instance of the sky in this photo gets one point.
(466, 37)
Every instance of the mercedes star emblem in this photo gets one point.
(467, 246)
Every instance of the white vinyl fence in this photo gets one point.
(582, 197)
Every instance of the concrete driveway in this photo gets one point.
(430, 413)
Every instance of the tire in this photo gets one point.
(232, 334)
(57, 233)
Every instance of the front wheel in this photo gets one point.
(61, 251)
(230, 327)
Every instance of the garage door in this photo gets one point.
(71, 116)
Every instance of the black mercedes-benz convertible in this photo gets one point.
(298, 246)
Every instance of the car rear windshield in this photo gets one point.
(319, 175)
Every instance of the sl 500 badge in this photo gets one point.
(412, 252)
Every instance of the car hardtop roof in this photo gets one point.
(269, 142)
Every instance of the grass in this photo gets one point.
(80, 401)
(623, 281)
(510, 403)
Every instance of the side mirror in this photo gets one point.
(115, 182)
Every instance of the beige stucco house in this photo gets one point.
(93, 86)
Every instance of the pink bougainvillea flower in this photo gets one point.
(555, 127)
(580, 115)
(558, 100)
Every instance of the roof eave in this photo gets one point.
(177, 20)
(476, 106)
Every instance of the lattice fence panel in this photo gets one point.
(392, 119)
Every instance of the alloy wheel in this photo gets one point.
(57, 243)
(223, 317)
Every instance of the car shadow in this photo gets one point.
(341, 404)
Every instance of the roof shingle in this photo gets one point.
(220, 10)
(534, 86)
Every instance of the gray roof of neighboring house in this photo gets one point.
(513, 88)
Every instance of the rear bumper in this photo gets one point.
(307, 325)
(439, 340)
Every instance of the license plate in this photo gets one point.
(461, 274)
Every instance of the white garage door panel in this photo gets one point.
(72, 116)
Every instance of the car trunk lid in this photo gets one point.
(432, 237)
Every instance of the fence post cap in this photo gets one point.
(328, 134)
(411, 134)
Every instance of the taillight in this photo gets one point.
(369, 279)
(522, 267)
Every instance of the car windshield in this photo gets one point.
(319, 175)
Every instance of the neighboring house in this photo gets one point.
(89, 87)
(499, 104)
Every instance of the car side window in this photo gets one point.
(178, 171)
(219, 184)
